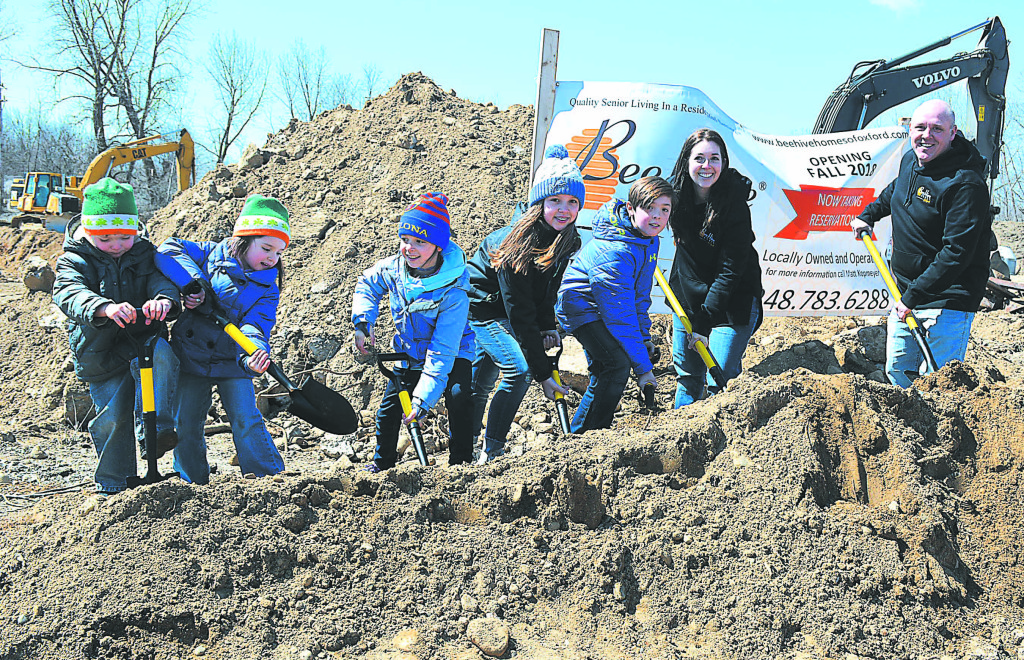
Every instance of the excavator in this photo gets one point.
(53, 199)
(876, 86)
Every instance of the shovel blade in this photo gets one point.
(323, 408)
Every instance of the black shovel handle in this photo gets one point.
(561, 407)
(415, 432)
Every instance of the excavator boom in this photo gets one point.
(874, 87)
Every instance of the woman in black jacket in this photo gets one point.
(715, 272)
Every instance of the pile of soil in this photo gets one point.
(809, 511)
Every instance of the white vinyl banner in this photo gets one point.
(807, 188)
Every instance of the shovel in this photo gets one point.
(314, 402)
(148, 412)
(911, 320)
(414, 426)
(709, 360)
(560, 404)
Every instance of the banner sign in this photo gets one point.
(807, 188)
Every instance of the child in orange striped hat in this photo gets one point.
(243, 275)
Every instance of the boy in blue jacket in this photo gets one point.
(427, 285)
(606, 294)
(105, 273)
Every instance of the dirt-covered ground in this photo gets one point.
(809, 511)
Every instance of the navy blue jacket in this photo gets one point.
(249, 298)
(88, 279)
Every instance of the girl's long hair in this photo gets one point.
(522, 247)
(721, 197)
(239, 245)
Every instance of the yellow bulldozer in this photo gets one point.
(53, 199)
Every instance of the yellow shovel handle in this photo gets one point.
(673, 302)
(247, 344)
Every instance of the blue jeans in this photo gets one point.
(118, 422)
(947, 332)
(727, 344)
(609, 373)
(497, 351)
(256, 451)
(457, 399)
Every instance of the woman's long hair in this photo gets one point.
(721, 197)
(522, 247)
(239, 245)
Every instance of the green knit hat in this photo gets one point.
(109, 208)
(263, 216)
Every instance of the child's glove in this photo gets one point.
(199, 296)
(647, 379)
(653, 351)
(364, 337)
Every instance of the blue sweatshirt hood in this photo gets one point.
(453, 268)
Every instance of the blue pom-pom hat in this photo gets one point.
(558, 174)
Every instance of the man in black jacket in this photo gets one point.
(940, 240)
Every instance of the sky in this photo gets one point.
(770, 65)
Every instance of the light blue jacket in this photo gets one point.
(430, 316)
(610, 280)
(249, 297)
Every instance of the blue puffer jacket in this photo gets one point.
(430, 316)
(249, 297)
(610, 280)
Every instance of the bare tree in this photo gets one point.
(340, 91)
(239, 77)
(32, 141)
(301, 76)
(82, 50)
(370, 82)
(146, 71)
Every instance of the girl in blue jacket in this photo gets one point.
(426, 283)
(606, 293)
(242, 275)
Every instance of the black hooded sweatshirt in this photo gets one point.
(940, 228)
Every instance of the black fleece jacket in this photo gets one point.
(940, 228)
(715, 272)
(526, 300)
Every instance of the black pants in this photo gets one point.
(458, 398)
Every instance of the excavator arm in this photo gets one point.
(874, 87)
(148, 147)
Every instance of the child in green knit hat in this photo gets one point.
(106, 273)
(242, 275)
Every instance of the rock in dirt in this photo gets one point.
(490, 635)
(38, 275)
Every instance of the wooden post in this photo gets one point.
(545, 106)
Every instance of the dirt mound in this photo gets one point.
(809, 511)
